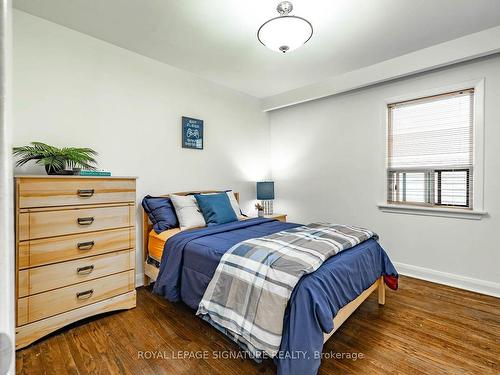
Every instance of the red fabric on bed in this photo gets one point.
(391, 281)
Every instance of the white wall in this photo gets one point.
(328, 164)
(73, 90)
(327, 155)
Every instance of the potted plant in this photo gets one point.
(260, 209)
(56, 160)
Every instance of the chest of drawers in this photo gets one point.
(75, 250)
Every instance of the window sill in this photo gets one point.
(432, 211)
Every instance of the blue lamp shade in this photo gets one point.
(265, 190)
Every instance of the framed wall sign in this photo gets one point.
(192, 133)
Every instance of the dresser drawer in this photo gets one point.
(42, 224)
(64, 191)
(59, 249)
(56, 301)
(41, 279)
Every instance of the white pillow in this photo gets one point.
(235, 205)
(188, 212)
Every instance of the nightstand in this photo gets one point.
(279, 217)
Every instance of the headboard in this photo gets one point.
(147, 226)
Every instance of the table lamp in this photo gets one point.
(265, 193)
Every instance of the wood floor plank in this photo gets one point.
(57, 356)
(424, 328)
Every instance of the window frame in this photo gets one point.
(476, 172)
(431, 181)
(468, 203)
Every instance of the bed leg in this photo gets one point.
(381, 291)
(147, 280)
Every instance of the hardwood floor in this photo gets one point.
(424, 328)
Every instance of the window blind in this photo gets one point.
(430, 150)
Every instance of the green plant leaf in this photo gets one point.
(56, 158)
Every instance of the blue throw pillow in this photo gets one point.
(216, 208)
(161, 213)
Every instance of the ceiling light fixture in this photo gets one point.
(285, 32)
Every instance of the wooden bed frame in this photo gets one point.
(151, 272)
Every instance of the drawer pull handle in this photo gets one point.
(85, 270)
(85, 220)
(85, 295)
(85, 193)
(85, 245)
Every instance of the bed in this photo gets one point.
(319, 304)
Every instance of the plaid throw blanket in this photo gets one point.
(254, 280)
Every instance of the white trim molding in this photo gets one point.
(462, 282)
(469, 47)
(477, 211)
(432, 211)
(7, 257)
(139, 279)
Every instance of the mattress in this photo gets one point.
(156, 242)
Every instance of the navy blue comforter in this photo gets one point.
(191, 257)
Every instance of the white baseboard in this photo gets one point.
(139, 279)
(468, 283)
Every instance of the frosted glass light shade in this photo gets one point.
(285, 33)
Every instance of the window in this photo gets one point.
(430, 151)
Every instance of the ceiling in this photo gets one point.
(217, 39)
